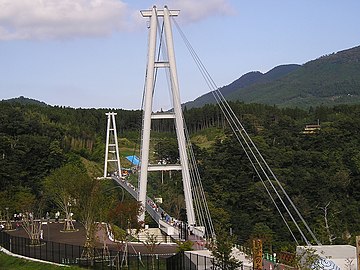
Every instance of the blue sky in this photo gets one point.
(92, 53)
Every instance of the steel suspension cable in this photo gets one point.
(207, 221)
(241, 130)
(231, 117)
(259, 175)
(271, 172)
(232, 120)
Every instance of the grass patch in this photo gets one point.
(13, 263)
(94, 169)
(206, 138)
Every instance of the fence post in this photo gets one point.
(21, 247)
(46, 248)
(93, 257)
(102, 258)
(15, 244)
(205, 262)
(79, 261)
(128, 255)
(52, 251)
(59, 252)
(197, 261)
(28, 247)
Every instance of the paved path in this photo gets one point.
(52, 232)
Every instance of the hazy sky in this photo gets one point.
(92, 53)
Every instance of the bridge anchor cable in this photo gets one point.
(267, 177)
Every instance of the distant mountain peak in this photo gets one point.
(25, 101)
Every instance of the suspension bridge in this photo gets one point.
(161, 55)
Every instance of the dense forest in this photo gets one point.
(320, 171)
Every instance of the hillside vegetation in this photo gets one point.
(327, 81)
(317, 170)
(247, 80)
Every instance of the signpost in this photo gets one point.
(257, 251)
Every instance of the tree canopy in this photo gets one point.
(40, 145)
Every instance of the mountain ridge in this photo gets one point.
(24, 100)
(329, 80)
(246, 80)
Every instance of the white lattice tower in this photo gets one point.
(155, 15)
(112, 147)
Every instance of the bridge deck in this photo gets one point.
(164, 221)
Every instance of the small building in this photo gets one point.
(311, 129)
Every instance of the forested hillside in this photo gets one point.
(246, 80)
(320, 171)
(330, 80)
(34, 140)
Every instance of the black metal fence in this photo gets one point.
(191, 261)
(74, 255)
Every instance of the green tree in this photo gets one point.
(221, 249)
(125, 214)
(184, 246)
(90, 202)
(263, 232)
(60, 187)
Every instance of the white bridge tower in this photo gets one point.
(155, 15)
(112, 147)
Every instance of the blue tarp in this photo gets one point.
(134, 160)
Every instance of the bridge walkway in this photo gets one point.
(175, 229)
